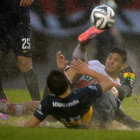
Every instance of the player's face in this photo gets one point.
(114, 63)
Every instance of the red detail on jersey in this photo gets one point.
(116, 85)
(82, 83)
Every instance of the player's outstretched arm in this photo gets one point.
(69, 72)
(32, 122)
(83, 69)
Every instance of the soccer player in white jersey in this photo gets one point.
(105, 106)
(115, 62)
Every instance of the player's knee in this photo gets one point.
(24, 63)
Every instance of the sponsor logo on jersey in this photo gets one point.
(59, 104)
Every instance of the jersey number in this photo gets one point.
(26, 43)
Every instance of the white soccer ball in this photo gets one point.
(102, 17)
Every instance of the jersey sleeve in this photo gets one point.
(96, 89)
(96, 65)
(42, 110)
(92, 91)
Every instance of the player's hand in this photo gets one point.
(61, 61)
(80, 67)
(129, 79)
(25, 3)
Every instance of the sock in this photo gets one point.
(32, 84)
(3, 96)
(80, 53)
(13, 109)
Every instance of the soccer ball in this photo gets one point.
(102, 17)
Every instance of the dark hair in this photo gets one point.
(57, 82)
(121, 52)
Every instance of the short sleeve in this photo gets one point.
(96, 89)
(42, 110)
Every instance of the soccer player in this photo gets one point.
(15, 34)
(107, 102)
(104, 108)
(71, 107)
(114, 64)
(63, 107)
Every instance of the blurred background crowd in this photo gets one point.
(56, 25)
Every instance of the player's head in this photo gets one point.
(57, 82)
(116, 61)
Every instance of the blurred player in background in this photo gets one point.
(15, 34)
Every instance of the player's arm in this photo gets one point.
(69, 72)
(32, 122)
(25, 3)
(61, 61)
(83, 69)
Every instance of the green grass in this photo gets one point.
(8, 130)
(16, 133)
(18, 95)
(131, 106)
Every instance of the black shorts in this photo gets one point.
(105, 108)
(15, 32)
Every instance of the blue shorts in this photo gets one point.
(15, 32)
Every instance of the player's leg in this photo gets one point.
(3, 48)
(19, 109)
(80, 52)
(104, 109)
(25, 65)
(3, 97)
(83, 39)
(125, 119)
(22, 49)
(5, 42)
